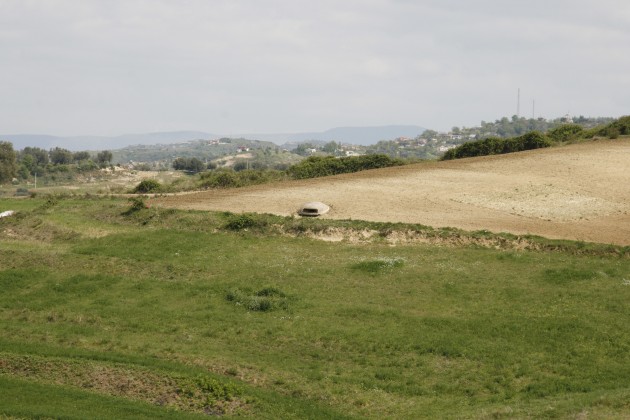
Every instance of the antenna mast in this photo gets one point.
(533, 109)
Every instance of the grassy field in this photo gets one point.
(107, 311)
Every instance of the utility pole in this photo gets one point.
(518, 103)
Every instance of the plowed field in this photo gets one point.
(579, 192)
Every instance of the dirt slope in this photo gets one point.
(577, 192)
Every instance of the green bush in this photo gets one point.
(22, 192)
(620, 127)
(148, 186)
(242, 178)
(136, 204)
(244, 221)
(318, 166)
(566, 132)
(497, 146)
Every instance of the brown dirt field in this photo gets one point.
(579, 192)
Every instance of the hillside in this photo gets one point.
(574, 192)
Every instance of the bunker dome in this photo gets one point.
(313, 208)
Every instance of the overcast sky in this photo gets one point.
(109, 67)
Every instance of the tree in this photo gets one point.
(79, 156)
(8, 162)
(429, 134)
(59, 156)
(40, 156)
(331, 147)
(303, 149)
(241, 165)
(195, 165)
(104, 158)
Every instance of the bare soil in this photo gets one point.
(578, 192)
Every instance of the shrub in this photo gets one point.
(220, 179)
(566, 132)
(496, 146)
(147, 186)
(318, 166)
(620, 127)
(243, 221)
(264, 300)
(232, 179)
(137, 204)
(22, 192)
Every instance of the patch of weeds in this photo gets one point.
(244, 221)
(209, 393)
(264, 300)
(378, 265)
(51, 202)
(136, 204)
(566, 275)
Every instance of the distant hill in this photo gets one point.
(74, 143)
(353, 135)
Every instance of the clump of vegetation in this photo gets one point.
(22, 192)
(243, 221)
(209, 392)
(136, 204)
(148, 186)
(192, 165)
(318, 166)
(566, 132)
(264, 300)
(616, 128)
(378, 265)
(233, 179)
(497, 146)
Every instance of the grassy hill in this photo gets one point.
(113, 311)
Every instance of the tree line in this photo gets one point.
(35, 161)
(568, 132)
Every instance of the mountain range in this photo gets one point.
(352, 135)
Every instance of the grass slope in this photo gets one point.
(158, 310)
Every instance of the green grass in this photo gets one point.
(301, 328)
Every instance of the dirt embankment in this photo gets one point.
(579, 192)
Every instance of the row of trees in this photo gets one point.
(318, 166)
(193, 165)
(535, 140)
(517, 126)
(34, 160)
(497, 146)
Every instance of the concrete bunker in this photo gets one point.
(313, 209)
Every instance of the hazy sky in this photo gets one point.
(109, 67)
